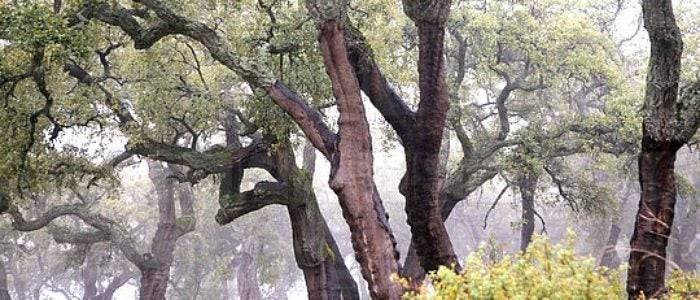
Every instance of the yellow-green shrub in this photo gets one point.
(544, 271)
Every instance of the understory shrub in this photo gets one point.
(544, 271)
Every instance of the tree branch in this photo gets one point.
(265, 193)
(256, 74)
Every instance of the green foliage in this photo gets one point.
(550, 40)
(683, 285)
(543, 271)
(32, 26)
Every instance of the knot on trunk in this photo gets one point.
(327, 10)
(683, 117)
(427, 11)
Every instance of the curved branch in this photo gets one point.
(257, 75)
(544, 225)
(214, 160)
(495, 202)
(374, 84)
(117, 234)
(265, 193)
(63, 235)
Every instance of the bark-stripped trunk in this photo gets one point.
(669, 122)
(458, 186)
(412, 268)
(421, 184)
(352, 172)
(654, 219)
(4, 290)
(527, 186)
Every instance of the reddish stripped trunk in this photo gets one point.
(422, 182)
(352, 173)
(654, 219)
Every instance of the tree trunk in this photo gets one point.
(4, 290)
(458, 186)
(347, 283)
(325, 272)
(352, 173)
(311, 252)
(156, 273)
(668, 123)
(610, 259)
(412, 268)
(247, 277)
(527, 186)
(89, 276)
(421, 184)
(682, 235)
(314, 247)
(654, 220)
